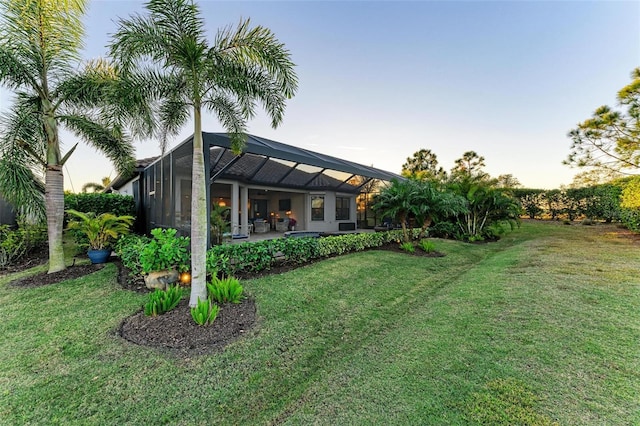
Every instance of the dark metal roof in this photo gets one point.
(270, 148)
(120, 180)
(259, 169)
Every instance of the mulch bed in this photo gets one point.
(175, 331)
(39, 256)
(44, 278)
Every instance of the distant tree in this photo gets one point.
(630, 202)
(610, 139)
(594, 177)
(423, 165)
(507, 181)
(469, 166)
(532, 201)
(95, 187)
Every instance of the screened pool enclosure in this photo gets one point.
(268, 187)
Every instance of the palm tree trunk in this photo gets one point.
(405, 233)
(198, 215)
(54, 191)
(54, 200)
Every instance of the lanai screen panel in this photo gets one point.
(270, 163)
(181, 165)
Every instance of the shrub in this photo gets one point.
(218, 263)
(119, 205)
(408, 247)
(205, 312)
(257, 256)
(128, 248)
(229, 259)
(162, 301)
(98, 203)
(444, 230)
(165, 251)
(427, 246)
(14, 244)
(295, 250)
(630, 218)
(225, 290)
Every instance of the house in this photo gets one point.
(269, 184)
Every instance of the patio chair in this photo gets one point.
(260, 226)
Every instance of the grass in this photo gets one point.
(539, 328)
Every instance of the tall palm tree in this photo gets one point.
(40, 52)
(227, 77)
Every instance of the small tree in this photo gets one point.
(486, 206)
(419, 200)
(396, 201)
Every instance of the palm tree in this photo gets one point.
(188, 74)
(95, 187)
(420, 200)
(40, 51)
(486, 206)
(397, 201)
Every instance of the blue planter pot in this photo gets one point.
(99, 256)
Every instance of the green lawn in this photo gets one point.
(541, 327)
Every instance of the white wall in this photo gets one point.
(127, 188)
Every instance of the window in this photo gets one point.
(342, 208)
(317, 208)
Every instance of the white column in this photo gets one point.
(244, 208)
(235, 204)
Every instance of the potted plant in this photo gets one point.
(220, 224)
(101, 231)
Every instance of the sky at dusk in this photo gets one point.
(380, 80)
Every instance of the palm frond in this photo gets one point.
(173, 114)
(179, 21)
(249, 84)
(258, 46)
(168, 36)
(45, 35)
(231, 117)
(14, 74)
(111, 141)
(136, 40)
(20, 186)
(23, 131)
(124, 99)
